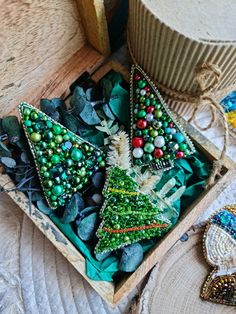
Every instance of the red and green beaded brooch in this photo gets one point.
(157, 138)
(64, 161)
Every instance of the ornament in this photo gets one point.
(128, 213)
(64, 161)
(219, 246)
(151, 116)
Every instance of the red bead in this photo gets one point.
(141, 124)
(147, 88)
(137, 77)
(137, 142)
(179, 154)
(171, 124)
(150, 109)
(158, 153)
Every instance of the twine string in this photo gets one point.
(202, 96)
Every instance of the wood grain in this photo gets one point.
(94, 21)
(36, 38)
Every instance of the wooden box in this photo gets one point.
(57, 85)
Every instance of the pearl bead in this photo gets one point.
(149, 117)
(143, 92)
(138, 152)
(173, 131)
(159, 141)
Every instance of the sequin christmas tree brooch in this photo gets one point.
(64, 161)
(128, 214)
(157, 137)
(219, 245)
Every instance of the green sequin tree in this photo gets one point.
(128, 215)
(64, 161)
(157, 137)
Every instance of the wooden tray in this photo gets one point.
(57, 85)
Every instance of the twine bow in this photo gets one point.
(203, 73)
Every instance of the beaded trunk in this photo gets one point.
(157, 138)
(64, 161)
(219, 246)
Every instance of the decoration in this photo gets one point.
(219, 245)
(64, 161)
(157, 137)
(132, 211)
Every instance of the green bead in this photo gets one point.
(145, 131)
(76, 154)
(183, 146)
(48, 135)
(138, 133)
(147, 102)
(102, 164)
(27, 111)
(58, 139)
(147, 157)
(77, 180)
(57, 190)
(55, 159)
(66, 137)
(69, 162)
(157, 113)
(49, 124)
(141, 113)
(56, 129)
(48, 183)
(53, 198)
(52, 144)
(34, 115)
(30, 130)
(142, 99)
(142, 84)
(165, 124)
(154, 133)
(149, 148)
(126, 238)
(54, 204)
(153, 102)
(42, 160)
(35, 137)
(28, 123)
(43, 169)
(46, 174)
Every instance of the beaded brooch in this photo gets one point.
(132, 211)
(64, 161)
(157, 137)
(219, 246)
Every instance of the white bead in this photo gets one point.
(173, 131)
(143, 92)
(149, 117)
(159, 141)
(138, 152)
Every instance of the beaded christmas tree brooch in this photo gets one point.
(64, 161)
(132, 211)
(157, 138)
(219, 245)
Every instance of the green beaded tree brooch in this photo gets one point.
(157, 137)
(128, 214)
(64, 161)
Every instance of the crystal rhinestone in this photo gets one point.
(149, 117)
